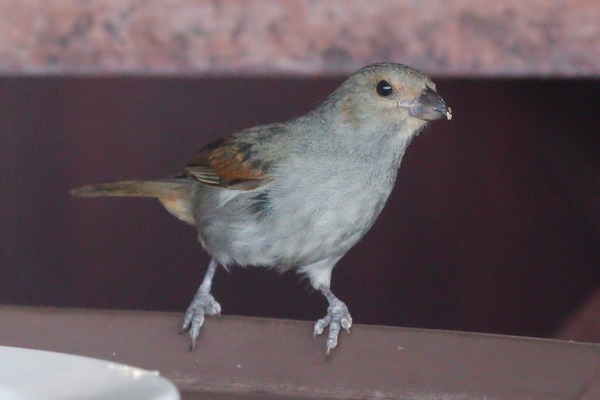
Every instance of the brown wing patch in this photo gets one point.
(228, 164)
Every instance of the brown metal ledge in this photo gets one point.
(252, 358)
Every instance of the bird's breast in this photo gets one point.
(315, 207)
(329, 207)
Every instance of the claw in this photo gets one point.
(337, 318)
(346, 324)
(202, 304)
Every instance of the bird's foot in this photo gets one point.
(337, 317)
(203, 304)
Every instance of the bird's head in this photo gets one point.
(387, 94)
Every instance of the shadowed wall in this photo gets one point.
(493, 226)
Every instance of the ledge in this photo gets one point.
(253, 358)
(301, 37)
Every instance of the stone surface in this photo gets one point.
(300, 37)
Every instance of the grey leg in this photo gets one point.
(202, 304)
(337, 317)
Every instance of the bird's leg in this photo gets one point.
(337, 317)
(202, 304)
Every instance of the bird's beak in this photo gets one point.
(429, 106)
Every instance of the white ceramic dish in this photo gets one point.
(42, 375)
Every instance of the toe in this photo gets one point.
(193, 344)
(332, 342)
(327, 351)
(321, 325)
(212, 307)
(187, 319)
(196, 325)
(346, 323)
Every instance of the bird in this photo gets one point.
(297, 195)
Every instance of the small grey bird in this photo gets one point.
(297, 195)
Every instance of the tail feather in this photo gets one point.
(174, 194)
(124, 189)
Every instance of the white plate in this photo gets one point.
(35, 375)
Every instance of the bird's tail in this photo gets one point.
(175, 194)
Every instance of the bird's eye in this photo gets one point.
(384, 89)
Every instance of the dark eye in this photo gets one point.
(384, 89)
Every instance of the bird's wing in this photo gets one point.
(229, 163)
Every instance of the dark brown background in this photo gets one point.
(494, 225)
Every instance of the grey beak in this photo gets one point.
(429, 106)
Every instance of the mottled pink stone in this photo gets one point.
(300, 37)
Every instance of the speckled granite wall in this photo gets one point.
(459, 37)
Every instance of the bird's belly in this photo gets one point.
(292, 228)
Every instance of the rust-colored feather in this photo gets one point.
(229, 164)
